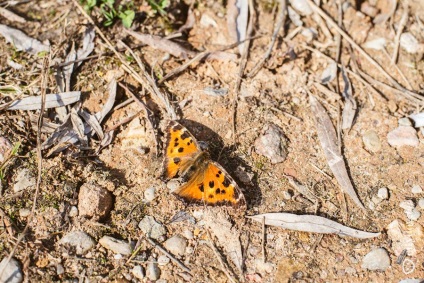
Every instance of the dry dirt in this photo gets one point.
(131, 163)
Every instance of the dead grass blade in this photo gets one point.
(53, 100)
(310, 223)
(328, 138)
(162, 44)
(11, 16)
(349, 109)
(282, 19)
(21, 41)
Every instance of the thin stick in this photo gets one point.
(263, 239)
(165, 252)
(282, 15)
(44, 81)
(361, 51)
(124, 121)
(224, 266)
(401, 26)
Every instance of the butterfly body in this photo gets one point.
(203, 180)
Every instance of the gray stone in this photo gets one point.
(287, 195)
(12, 272)
(371, 141)
(115, 245)
(149, 194)
(405, 121)
(152, 271)
(94, 201)
(176, 245)
(263, 267)
(138, 272)
(377, 259)
(24, 212)
(413, 215)
(151, 228)
(272, 143)
(59, 269)
(79, 240)
(402, 136)
(73, 212)
(24, 180)
(407, 205)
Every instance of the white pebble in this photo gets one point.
(73, 212)
(176, 245)
(153, 271)
(383, 193)
(413, 215)
(377, 259)
(24, 212)
(163, 260)
(407, 205)
(287, 195)
(417, 189)
(149, 194)
(421, 203)
(115, 245)
(404, 122)
(11, 271)
(188, 234)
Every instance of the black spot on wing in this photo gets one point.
(177, 127)
(223, 192)
(211, 184)
(180, 149)
(176, 144)
(218, 191)
(201, 188)
(177, 160)
(176, 139)
(185, 135)
(226, 182)
(210, 196)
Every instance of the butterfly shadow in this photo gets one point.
(226, 156)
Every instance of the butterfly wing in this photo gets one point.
(212, 185)
(180, 150)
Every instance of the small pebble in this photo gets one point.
(371, 141)
(59, 269)
(162, 281)
(176, 245)
(377, 259)
(409, 43)
(189, 250)
(24, 212)
(12, 272)
(152, 271)
(115, 245)
(73, 212)
(417, 189)
(350, 270)
(413, 215)
(421, 203)
(188, 234)
(376, 200)
(163, 260)
(383, 193)
(407, 205)
(272, 143)
(94, 201)
(152, 228)
(79, 240)
(138, 272)
(263, 267)
(403, 136)
(149, 194)
(404, 122)
(287, 195)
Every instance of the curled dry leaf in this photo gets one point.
(328, 138)
(162, 44)
(310, 223)
(52, 100)
(21, 41)
(349, 109)
(237, 20)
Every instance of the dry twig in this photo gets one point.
(176, 261)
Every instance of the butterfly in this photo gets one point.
(203, 180)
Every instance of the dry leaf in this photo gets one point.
(21, 41)
(162, 44)
(328, 138)
(237, 20)
(228, 236)
(349, 109)
(52, 100)
(310, 223)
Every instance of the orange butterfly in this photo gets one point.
(203, 179)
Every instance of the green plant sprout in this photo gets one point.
(107, 8)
